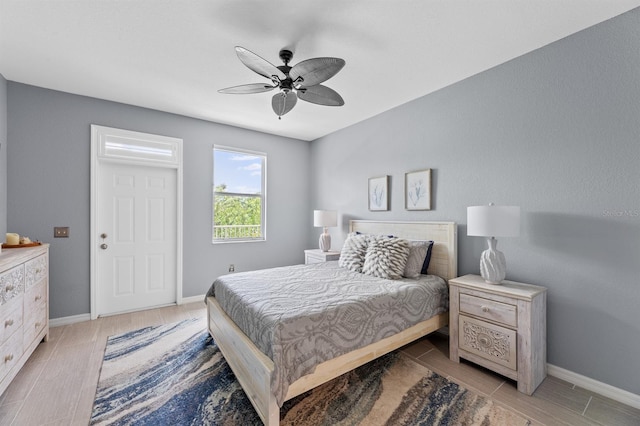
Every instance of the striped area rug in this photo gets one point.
(175, 375)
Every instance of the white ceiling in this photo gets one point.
(174, 55)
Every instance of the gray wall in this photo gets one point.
(49, 170)
(556, 132)
(3, 156)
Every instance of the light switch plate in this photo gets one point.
(61, 232)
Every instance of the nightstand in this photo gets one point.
(319, 256)
(502, 327)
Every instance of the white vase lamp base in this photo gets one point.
(493, 266)
(325, 241)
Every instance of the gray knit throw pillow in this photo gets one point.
(386, 258)
(353, 252)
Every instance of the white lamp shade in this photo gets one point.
(326, 218)
(493, 221)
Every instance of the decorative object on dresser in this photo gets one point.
(417, 190)
(24, 307)
(502, 328)
(319, 256)
(493, 221)
(378, 193)
(325, 219)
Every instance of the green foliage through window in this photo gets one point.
(238, 195)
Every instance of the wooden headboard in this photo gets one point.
(444, 256)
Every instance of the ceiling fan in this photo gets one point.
(302, 81)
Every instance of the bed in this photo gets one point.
(252, 362)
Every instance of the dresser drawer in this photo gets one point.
(10, 353)
(492, 342)
(491, 310)
(11, 283)
(34, 324)
(10, 318)
(35, 297)
(35, 270)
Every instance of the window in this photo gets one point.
(239, 182)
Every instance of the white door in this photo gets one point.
(136, 260)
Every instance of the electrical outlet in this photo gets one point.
(232, 267)
(61, 232)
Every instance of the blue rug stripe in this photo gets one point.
(183, 380)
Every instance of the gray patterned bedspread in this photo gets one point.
(303, 315)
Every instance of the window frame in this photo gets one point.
(262, 195)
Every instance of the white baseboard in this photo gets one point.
(191, 299)
(57, 322)
(592, 385)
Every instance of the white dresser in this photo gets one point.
(24, 307)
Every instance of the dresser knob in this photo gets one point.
(38, 298)
(8, 323)
(8, 358)
(38, 324)
(485, 309)
(9, 288)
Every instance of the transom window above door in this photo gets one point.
(239, 195)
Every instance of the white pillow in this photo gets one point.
(415, 260)
(353, 252)
(386, 257)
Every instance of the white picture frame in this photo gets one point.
(379, 193)
(417, 190)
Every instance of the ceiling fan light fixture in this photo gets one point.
(303, 78)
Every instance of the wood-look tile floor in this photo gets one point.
(58, 383)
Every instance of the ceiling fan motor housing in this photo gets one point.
(286, 56)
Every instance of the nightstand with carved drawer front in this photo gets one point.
(501, 327)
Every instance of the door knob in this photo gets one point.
(103, 235)
(103, 246)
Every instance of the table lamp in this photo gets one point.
(325, 219)
(493, 221)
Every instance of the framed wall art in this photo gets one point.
(379, 193)
(417, 190)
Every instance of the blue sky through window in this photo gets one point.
(242, 173)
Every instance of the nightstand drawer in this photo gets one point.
(491, 310)
(492, 342)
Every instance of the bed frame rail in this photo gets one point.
(251, 367)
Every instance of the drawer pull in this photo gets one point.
(9, 288)
(38, 298)
(38, 324)
(8, 358)
(485, 309)
(8, 323)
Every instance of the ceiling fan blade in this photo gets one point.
(315, 71)
(321, 95)
(246, 89)
(258, 64)
(283, 102)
